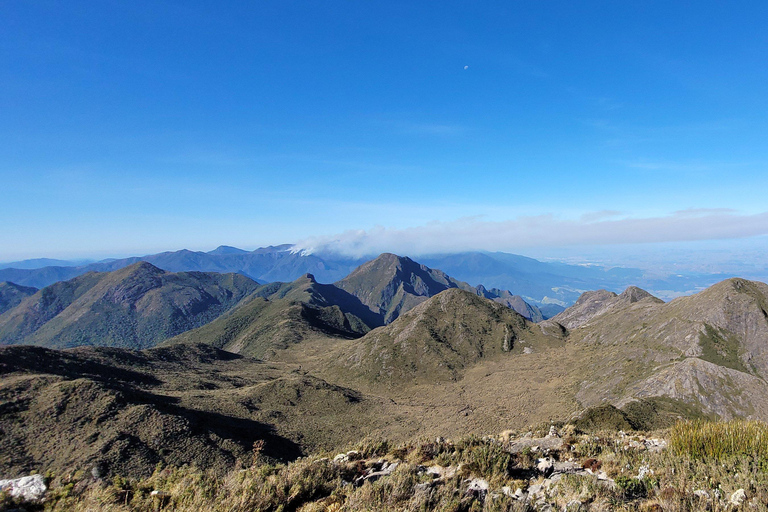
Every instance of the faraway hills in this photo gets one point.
(124, 369)
(548, 285)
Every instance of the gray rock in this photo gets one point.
(573, 506)
(477, 487)
(738, 497)
(545, 466)
(28, 488)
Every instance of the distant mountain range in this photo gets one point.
(140, 305)
(395, 349)
(547, 285)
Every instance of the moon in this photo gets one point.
(466, 67)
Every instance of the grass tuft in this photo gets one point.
(721, 441)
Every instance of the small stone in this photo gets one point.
(160, 494)
(738, 497)
(700, 493)
(573, 506)
(477, 487)
(552, 432)
(545, 466)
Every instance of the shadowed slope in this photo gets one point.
(124, 411)
(12, 294)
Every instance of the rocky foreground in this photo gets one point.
(692, 466)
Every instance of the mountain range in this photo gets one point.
(551, 286)
(396, 349)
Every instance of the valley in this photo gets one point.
(194, 368)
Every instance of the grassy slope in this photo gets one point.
(125, 411)
(136, 307)
(279, 315)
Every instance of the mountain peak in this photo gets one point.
(139, 268)
(226, 250)
(634, 294)
(390, 284)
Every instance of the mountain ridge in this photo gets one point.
(135, 306)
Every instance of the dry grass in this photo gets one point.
(719, 441)
(681, 478)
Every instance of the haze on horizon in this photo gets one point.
(594, 130)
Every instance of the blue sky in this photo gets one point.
(134, 127)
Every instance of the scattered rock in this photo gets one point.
(700, 493)
(535, 444)
(536, 490)
(346, 457)
(545, 466)
(552, 432)
(441, 472)
(377, 471)
(28, 488)
(655, 445)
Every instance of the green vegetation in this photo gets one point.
(721, 349)
(721, 441)
(646, 414)
(135, 307)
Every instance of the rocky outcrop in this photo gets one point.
(29, 488)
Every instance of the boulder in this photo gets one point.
(28, 488)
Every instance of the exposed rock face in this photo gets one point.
(717, 389)
(28, 488)
(709, 349)
(593, 304)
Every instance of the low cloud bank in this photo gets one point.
(539, 231)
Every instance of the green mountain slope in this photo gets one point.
(279, 315)
(12, 294)
(137, 306)
(437, 341)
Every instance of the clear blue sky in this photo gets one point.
(133, 127)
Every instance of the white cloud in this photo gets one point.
(541, 231)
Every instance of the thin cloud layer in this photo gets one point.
(539, 231)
